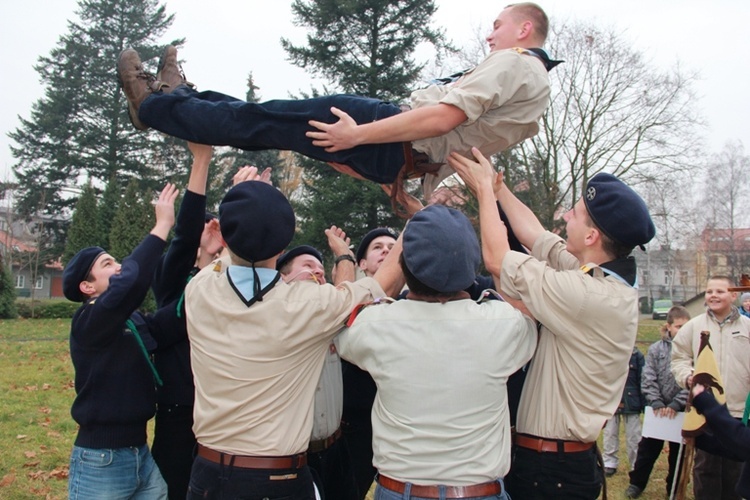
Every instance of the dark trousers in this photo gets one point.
(649, 450)
(210, 480)
(544, 475)
(218, 119)
(357, 435)
(715, 477)
(173, 448)
(333, 469)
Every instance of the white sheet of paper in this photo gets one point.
(668, 429)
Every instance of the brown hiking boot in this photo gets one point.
(136, 83)
(170, 72)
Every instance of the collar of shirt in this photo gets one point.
(733, 315)
(242, 280)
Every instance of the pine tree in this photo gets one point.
(80, 127)
(133, 220)
(106, 210)
(8, 308)
(365, 46)
(83, 231)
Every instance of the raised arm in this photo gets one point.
(338, 242)
(421, 123)
(481, 178)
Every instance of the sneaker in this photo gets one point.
(609, 471)
(136, 83)
(170, 72)
(633, 491)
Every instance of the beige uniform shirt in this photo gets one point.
(731, 345)
(503, 98)
(256, 368)
(440, 414)
(578, 372)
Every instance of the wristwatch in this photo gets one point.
(346, 256)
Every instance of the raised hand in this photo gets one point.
(250, 173)
(164, 209)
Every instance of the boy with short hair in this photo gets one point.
(714, 476)
(662, 393)
(114, 376)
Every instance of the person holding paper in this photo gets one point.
(666, 398)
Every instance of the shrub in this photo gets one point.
(49, 308)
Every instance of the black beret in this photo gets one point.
(77, 270)
(441, 249)
(296, 252)
(618, 210)
(375, 233)
(256, 221)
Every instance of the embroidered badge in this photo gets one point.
(591, 193)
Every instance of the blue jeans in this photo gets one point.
(121, 473)
(220, 120)
(209, 480)
(382, 493)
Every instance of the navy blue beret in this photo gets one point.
(441, 249)
(618, 210)
(375, 233)
(77, 270)
(256, 221)
(296, 252)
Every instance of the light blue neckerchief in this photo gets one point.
(243, 281)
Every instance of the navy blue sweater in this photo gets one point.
(170, 278)
(115, 388)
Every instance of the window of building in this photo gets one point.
(20, 281)
(39, 282)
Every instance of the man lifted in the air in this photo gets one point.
(493, 106)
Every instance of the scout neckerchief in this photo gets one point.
(131, 326)
(535, 52)
(622, 270)
(251, 283)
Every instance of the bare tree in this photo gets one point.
(724, 206)
(612, 111)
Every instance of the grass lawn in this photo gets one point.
(36, 387)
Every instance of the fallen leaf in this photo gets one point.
(31, 388)
(42, 490)
(21, 436)
(53, 434)
(43, 448)
(7, 480)
(29, 454)
(38, 474)
(60, 472)
(31, 464)
(45, 409)
(46, 387)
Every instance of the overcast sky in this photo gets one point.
(233, 37)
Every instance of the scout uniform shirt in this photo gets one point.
(256, 367)
(589, 327)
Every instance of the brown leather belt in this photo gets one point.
(323, 444)
(475, 490)
(551, 445)
(248, 462)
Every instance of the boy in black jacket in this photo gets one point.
(114, 377)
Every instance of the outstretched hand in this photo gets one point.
(335, 136)
(250, 173)
(164, 208)
(338, 241)
(475, 173)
